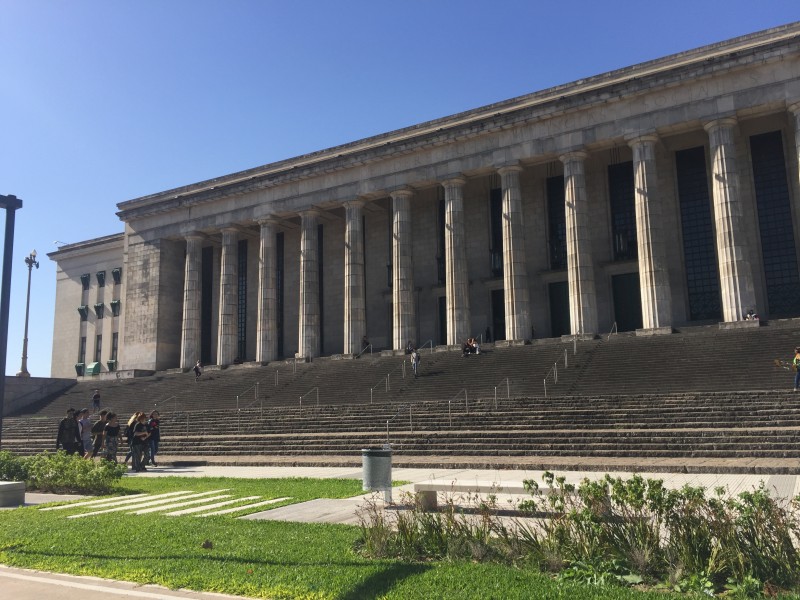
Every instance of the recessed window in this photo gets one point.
(114, 345)
(85, 278)
(98, 309)
(82, 350)
(98, 348)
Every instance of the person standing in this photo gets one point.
(153, 428)
(98, 432)
(198, 370)
(138, 441)
(415, 362)
(69, 437)
(796, 367)
(96, 401)
(111, 437)
(85, 427)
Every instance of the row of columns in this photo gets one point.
(735, 274)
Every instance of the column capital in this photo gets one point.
(641, 138)
(721, 122)
(574, 155)
(514, 167)
(195, 235)
(310, 213)
(402, 192)
(456, 180)
(357, 203)
(267, 220)
(231, 228)
(794, 108)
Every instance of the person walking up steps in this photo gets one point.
(796, 367)
(198, 370)
(415, 362)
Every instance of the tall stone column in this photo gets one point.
(515, 272)
(580, 269)
(190, 328)
(355, 303)
(309, 334)
(736, 277)
(794, 109)
(456, 276)
(228, 298)
(653, 274)
(267, 326)
(403, 320)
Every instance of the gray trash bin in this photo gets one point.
(377, 470)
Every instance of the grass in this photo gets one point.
(261, 559)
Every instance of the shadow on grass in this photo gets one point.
(378, 584)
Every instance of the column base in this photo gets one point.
(740, 325)
(651, 331)
(582, 337)
(510, 343)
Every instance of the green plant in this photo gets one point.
(61, 472)
(12, 467)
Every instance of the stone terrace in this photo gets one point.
(702, 393)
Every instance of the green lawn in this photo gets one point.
(261, 559)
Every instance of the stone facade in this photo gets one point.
(653, 197)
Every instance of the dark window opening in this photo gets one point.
(98, 348)
(82, 350)
(496, 231)
(114, 345)
(702, 277)
(623, 210)
(279, 285)
(775, 225)
(241, 321)
(320, 270)
(206, 295)
(441, 266)
(557, 222)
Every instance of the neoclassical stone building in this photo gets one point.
(653, 197)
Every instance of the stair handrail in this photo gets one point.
(508, 390)
(466, 399)
(255, 387)
(386, 379)
(174, 405)
(554, 371)
(316, 389)
(400, 409)
(428, 343)
(613, 331)
(364, 350)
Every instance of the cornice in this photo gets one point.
(87, 247)
(576, 95)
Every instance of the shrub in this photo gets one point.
(61, 473)
(12, 467)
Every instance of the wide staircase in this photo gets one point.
(700, 399)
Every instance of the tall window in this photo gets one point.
(241, 321)
(775, 224)
(557, 222)
(623, 210)
(496, 231)
(98, 348)
(82, 350)
(206, 294)
(441, 267)
(321, 271)
(114, 345)
(279, 286)
(702, 279)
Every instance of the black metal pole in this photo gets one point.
(11, 204)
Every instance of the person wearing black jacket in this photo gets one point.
(155, 435)
(69, 436)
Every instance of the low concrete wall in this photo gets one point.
(24, 391)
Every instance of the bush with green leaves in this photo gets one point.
(61, 473)
(618, 531)
(12, 467)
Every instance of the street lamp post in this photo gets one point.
(31, 262)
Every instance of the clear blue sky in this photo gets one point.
(104, 101)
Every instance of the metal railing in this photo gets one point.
(613, 331)
(466, 401)
(428, 343)
(316, 389)
(508, 391)
(368, 346)
(253, 387)
(400, 409)
(386, 380)
(554, 372)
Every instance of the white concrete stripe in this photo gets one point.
(237, 508)
(132, 498)
(145, 504)
(179, 504)
(90, 587)
(205, 507)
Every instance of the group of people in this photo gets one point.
(471, 346)
(77, 434)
